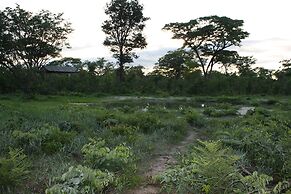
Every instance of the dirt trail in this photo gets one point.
(161, 163)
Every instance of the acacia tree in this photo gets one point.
(124, 31)
(208, 37)
(29, 40)
(175, 64)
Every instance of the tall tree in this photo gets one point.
(175, 64)
(124, 31)
(99, 67)
(30, 40)
(285, 69)
(244, 66)
(208, 37)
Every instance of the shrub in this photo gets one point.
(129, 132)
(266, 142)
(211, 168)
(195, 119)
(146, 122)
(14, 169)
(110, 122)
(82, 180)
(97, 155)
(48, 138)
(212, 112)
(70, 126)
(173, 130)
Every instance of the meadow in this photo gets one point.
(89, 144)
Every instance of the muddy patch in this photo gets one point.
(161, 163)
(244, 110)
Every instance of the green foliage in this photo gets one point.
(48, 138)
(175, 64)
(208, 38)
(14, 169)
(211, 168)
(70, 126)
(125, 16)
(97, 155)
(266, 140)
(146, 122)
(129, 132)
(35, 38)
(81, 180)
(195, 119)
(213, 112)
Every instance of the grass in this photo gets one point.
(148, 125)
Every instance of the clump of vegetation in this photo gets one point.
(82, 180)
(70, 126)
(211, 168)
(14, 169)
(146, 122)
(213, 112)
(129, 132)
(266, 141)
(195, 119)
(47, 138)
(99, 156)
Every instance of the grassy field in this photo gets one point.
(83, 144)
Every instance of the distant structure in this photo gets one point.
(60, 69)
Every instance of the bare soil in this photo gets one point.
(161, 163)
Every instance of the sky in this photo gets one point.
(267, 21)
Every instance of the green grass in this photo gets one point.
(148, 125)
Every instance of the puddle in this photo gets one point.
(244, 110)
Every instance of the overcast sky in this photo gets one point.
(267, 21)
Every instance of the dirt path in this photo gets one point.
(161, 163)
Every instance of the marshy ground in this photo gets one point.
(141, 142)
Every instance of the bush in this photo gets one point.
(70, 126)
(13, 169)
(211, 168)
(97, 155)
(146, 122)
(48, 138)
(212, 112)
(173, 130)
(82, 180)
(195, 119)
(266, 142)
(129, 132)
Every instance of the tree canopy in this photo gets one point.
(175, 64)
(123, 30)
(29, 40)
(208, 38)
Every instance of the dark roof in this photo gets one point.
(60, 69)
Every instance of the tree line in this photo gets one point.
(205, 64)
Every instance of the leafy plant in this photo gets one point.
(195, 119)
(49, 139)
(146, 122)
(14, 169)
(211, 168)
(266, 141)
(70, 126)
(212, 112)
(129, 132)
(82, 180)
(97, 155)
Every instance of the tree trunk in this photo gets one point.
(120, 73)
